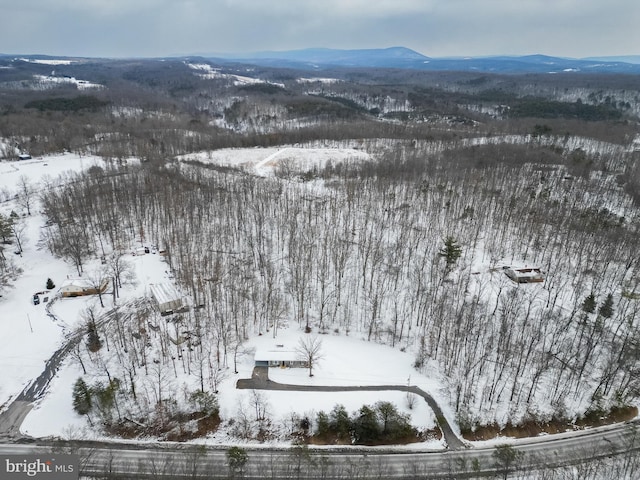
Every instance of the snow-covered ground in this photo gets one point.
(209, 73)
(56, 80)
(43, 169)
(48, 61)
(263, 160)
(346, 360)
(29, 335)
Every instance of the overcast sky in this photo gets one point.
(131, 28)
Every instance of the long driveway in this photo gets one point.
(260, 381)
(11, 419)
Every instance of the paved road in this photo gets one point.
(180, 461)
(260, 381)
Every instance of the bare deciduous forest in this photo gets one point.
(468, 174)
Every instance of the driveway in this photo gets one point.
(260, 381)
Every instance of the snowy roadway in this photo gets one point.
(188, 461)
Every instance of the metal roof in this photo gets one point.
(276, 355)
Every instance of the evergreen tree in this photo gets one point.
(589, 303)
(340, 422)
(507, 459)
(395, 425)
(50, 284)
(322, 424)
(237, 458)
(366, 427)
(93, 340)
(82, 401)
(606, 309)
(5, 228)
(451, 251)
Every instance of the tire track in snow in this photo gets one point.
(261, 167)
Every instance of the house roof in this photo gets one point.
(77, 283)
(525, 272)
(277, 355)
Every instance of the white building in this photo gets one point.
(525, 274)
(166, 297)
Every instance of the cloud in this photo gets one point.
(433, 27)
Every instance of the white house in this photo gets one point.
(166, 297)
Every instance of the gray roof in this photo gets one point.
(164, 293)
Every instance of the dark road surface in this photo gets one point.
(260, 381)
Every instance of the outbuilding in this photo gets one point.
(77, 287)
(525, 274)
(166, 297)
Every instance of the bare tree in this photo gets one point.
(26, 193)
(18, 228)
(309, 350)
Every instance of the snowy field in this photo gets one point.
(263, 160)
(346, 360)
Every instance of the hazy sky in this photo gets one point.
(127, 28)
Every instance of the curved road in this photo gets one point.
(260, 381)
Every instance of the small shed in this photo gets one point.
(166, 297)
(525, 274)
(77, 287)
(24, 156)
(279, 357)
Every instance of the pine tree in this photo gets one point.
(451, 251)
(50, 284)
(606, 309)
(589, 303)
(93, 340)
(236, 460)
(82, 398)
(366, 428)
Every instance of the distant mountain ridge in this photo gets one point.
(399, 58)
(402, 57)
(393, 57)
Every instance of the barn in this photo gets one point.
(166, 297)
